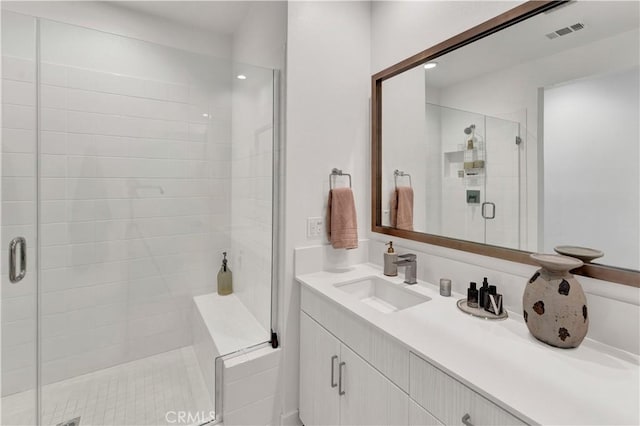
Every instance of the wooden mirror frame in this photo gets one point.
(500, 22)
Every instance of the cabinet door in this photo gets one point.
(319, 351)
(418, 416)
(369, 398)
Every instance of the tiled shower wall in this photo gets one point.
(135, 201)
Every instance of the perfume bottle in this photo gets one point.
(483, 292)
(472, 296)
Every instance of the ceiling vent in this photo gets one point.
(566, 30)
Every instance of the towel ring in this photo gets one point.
(337, 172)
(398, 173)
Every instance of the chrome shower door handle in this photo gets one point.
(14, 276)
(484, 210)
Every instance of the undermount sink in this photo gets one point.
(382, 295)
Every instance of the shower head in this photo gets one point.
(470, 129)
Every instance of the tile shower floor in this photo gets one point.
(140, 392)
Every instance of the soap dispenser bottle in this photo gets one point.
(390, 259)
(225, 278)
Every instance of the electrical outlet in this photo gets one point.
(315, 226)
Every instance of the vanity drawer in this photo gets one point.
(451, 401)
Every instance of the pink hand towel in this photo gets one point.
(402, 208)
(342, 225)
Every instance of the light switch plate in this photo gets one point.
(315, 226)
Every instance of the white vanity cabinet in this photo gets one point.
(338, 387)
(418, 416)
(451, 401)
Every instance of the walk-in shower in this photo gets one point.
(128, 168)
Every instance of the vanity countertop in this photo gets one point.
(591, 384)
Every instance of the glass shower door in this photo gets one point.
(19, 221)
(501, 206)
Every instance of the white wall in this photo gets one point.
(328, 67)
(591, 130)
(111, 18)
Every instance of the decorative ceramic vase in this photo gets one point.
(554, 305)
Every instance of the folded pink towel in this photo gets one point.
(402, 208)
(342, 225)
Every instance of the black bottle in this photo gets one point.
(483, 293)
(472, 296)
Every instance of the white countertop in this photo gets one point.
(591, 384)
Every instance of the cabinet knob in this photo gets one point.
(466, 420)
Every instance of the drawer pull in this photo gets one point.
(340, 389)
(333, 368)
(466, 420)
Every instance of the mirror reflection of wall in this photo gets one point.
(591, 155)
(504, 85)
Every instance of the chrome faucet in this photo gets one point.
(408, 260)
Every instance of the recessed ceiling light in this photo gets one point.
(205, 115)
(430, 65)
(241, 77)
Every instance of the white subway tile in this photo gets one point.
(177, 130)
(81, 232)
(54, 234)
(18, 93)
(53, 119)
(18, 140)
(18, 189)
(53, 96)
(130, 86)
(82, 167)
(82, 78)
(18, 69)
(177, 92)
(53, 142)
(53, 74)
(53, 211)
(18, 117)
(53, 165)
(154, 89)
(112, 209)
(17, 309)
(19, 332)
(18, 213)
(81, 254)
(54, 257)
(80, 210)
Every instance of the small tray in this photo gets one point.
(480, 312)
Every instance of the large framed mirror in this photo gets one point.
(519, 135)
